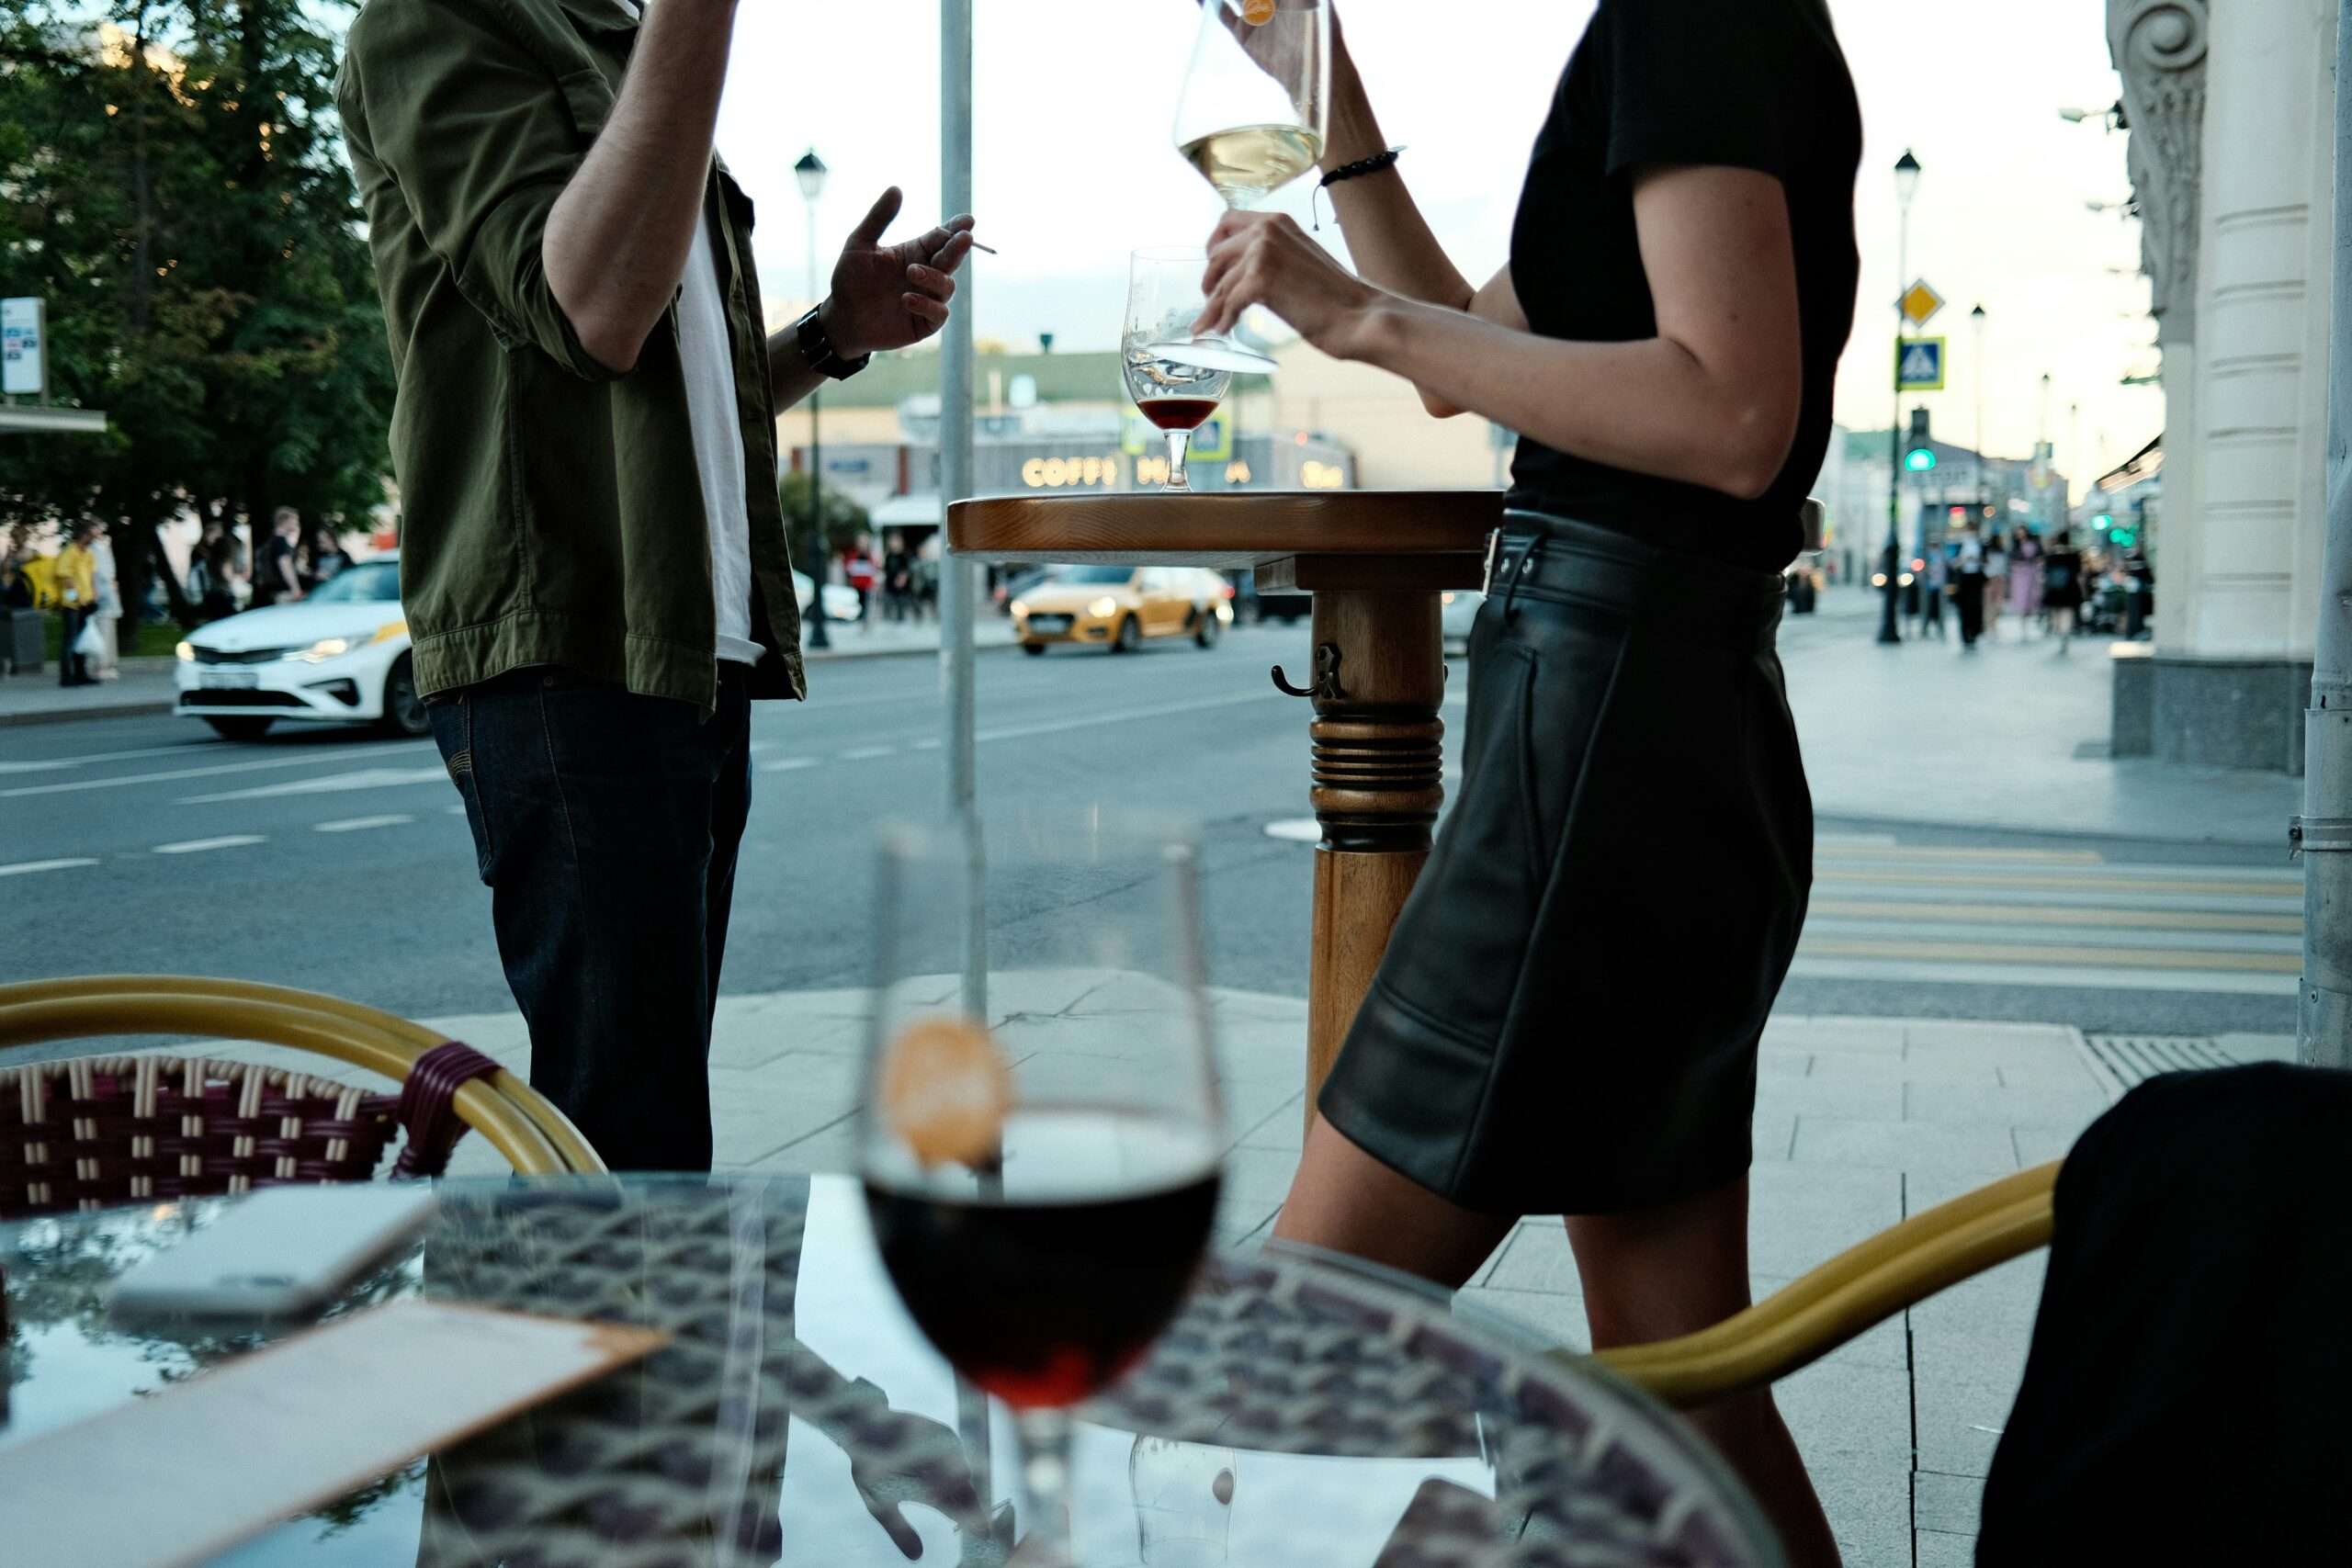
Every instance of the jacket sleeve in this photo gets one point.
(477, 135)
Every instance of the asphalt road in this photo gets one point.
(336, 860)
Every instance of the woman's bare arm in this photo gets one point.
(1711, 399)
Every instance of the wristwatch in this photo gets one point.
(817, 351)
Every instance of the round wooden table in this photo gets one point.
(1296, 1413)
(1375, 562)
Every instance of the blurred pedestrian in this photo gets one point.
(15, 582)
(278, 571)
(1934, 583)
(1968, 586)
(2025, 579)
(211, 584)
(898, 577)
(1996, 580)
(75, 576)
(594, 562)
(2061, 587)
(861, 581)
(2141, 608)
(107, 616)
(1665, 337)
(324, 557)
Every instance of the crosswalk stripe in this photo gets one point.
(2028, 953)
(1850, 849)
(2058, 915)
(2078, 883)
(2138, 939)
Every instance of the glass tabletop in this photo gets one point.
(1297, 1412)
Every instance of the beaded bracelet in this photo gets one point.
(1371, 165)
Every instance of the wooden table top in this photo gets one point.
(1223, 530)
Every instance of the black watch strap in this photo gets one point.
(818, 353)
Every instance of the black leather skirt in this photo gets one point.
(1567, 1016)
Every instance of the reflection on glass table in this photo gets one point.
(1296, 1413)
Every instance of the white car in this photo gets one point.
(841, 599)
(340, 656)
(1457, 610)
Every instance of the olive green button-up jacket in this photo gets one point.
(552, 511)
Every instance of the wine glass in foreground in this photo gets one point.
(1255, 102)
(1041, 1193)
(1172, 373)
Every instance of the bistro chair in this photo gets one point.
(94, 1131)
(1864, 1286)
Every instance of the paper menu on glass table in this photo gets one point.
(183, 1474)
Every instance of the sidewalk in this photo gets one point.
(2010, 736)
(146, 683)
(1859, 1122)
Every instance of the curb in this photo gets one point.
(140, 709)
(828, 655)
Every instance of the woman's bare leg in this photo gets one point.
(1658, 1273)
(1345, 1201)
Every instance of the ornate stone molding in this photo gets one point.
(2159, 48)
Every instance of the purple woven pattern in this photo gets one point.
(428, 1106)
(99, 1131)
(679, 1459)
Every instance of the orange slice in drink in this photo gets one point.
(946, 1090)
(1256, 13)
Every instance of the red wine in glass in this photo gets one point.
(1048, 1289)
(1177, 413)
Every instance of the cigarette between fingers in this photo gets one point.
(977, 246)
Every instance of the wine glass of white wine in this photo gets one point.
(1253, 114)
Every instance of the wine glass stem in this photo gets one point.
(1179, 442)
(1044, 1436)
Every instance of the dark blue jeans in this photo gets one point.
(607, 825)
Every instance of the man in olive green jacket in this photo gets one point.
(592, 559)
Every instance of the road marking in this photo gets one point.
(2267, 888)
(199, 846)
(2142, 939)
(787, 764)
(360, 823)
(58, 764)
(24, 868)
(2057, 914)
(1848, 848)
(2067, 978)
(928, 743)
(457, 810)
(1296, 830)
(1121, 715)
(305, 759)
(329, 783)
(2021, 953)
(868, 753)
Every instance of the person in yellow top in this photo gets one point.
(76, 577)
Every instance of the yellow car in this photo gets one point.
(1119, 607)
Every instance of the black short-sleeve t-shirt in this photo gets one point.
(1749, 83)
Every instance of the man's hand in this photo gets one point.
(889, 296)
(1265, 258)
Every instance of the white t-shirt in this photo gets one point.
(708, 353)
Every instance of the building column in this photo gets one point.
(2232, 111)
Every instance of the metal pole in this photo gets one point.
(2324, 833)
(957, 590)
(1977, 315)
(1889, 627)
(821, 555)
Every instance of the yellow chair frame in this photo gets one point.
(1860, 1288)
(534, 1136)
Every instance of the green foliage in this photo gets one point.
(174, 186)
(845, 519)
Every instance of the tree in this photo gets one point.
(175, 188)
(845, 519)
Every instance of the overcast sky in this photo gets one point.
(1073, 169)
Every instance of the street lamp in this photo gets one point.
(1907, 186)
(810, 172)
(1976, 320)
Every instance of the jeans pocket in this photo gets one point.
(453, 724)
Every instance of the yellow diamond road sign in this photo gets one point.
(1919, 302)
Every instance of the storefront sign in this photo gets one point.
(24, 350)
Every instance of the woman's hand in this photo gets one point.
(890, 296)
(1265, 258)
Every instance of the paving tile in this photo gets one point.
(1537, 1257)
(1555, 1319)
(1773, 1135)
(1260, 1175)
(829, 1151)
(757, 1111)
(1942, 1549)
(1905, 1069)
(1903, 1146)
(743, 1037)
(1771, 1064)
(1947, 1504)
(2074, 1077)
(1965, 1390)
(1284, 1128)
(2005, 1106)
(1852, 1426)
(2000, 1305)
(1886, 1345)
(1868, 1035)
(1800, 1217)
(1878, 1098)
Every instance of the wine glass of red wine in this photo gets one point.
(1176, 376)
(1041, 1134)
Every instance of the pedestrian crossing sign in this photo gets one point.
(1919, 365)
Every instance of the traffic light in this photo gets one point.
(1921, 454)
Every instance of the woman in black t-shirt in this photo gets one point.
(1567, 1018)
